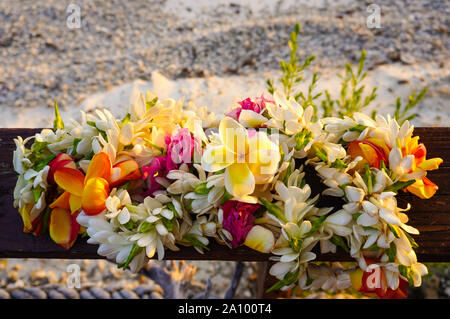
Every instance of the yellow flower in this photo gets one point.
(249, 157)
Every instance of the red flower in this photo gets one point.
(238, 219)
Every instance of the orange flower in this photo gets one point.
(372, 150)
(423, 188)
(91, 191)
(85, 192)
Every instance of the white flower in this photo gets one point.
(19, 155)
(418, 271)
(152, 232)
(116, 206)
(328, 278)
(291, 259)
(338, 223)
(112, 244)
(287, 115)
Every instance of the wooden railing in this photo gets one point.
(431, 217)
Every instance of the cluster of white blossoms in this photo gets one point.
(167, 175)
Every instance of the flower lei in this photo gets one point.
(167, 175)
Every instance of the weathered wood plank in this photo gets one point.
(431, 217)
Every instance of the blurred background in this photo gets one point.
(89, 54)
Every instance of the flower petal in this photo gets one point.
(100, 166)
(216, 158)
(260, 239)
(129, 170)
(249, 118)
(74, 203)
(423, 188)
(354, 194)
(95, 193)
(63, 227)
(233, 135)
(62, 201)
(431, 164)
(70, 180)
(389, 216)
(239, 180)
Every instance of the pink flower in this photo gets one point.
(157, 168)
(238, 219)
(180, 148)
(258, 105)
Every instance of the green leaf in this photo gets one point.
(394, 229)
(296, 244)
(130, 225)
(383, 167)
(46, 219)
(124, 186)
(288, 279)
(226, 196)
(40, 164)
(320, 153)
(201, 189)
(168, 223)
(358, 128)
(150, 104)
(37, 192)
(411, 240)
(58, 122)
(273, 209)
(288, 173)
(356, 215)
(399, 185)
(126, 119)
(302, 139)
(103, 133)
(339, 164)
(38, 147)
(374, 247)
(391, 252)
(194, 241)
(315, 225)
(368, 178)
(90, 155)
(401, 114)
(76, 141)
(339, 241)
(406, 272)
(172, 208)
(135, 250)
(146, 227)
(159, 148)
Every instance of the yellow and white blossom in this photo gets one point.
(248, 157)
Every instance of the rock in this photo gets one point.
(407, 58)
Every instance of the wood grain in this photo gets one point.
(431, 217)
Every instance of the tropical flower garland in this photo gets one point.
(166, 176)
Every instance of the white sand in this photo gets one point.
(219, 94)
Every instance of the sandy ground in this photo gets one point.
(220, 93)
(213, 53)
